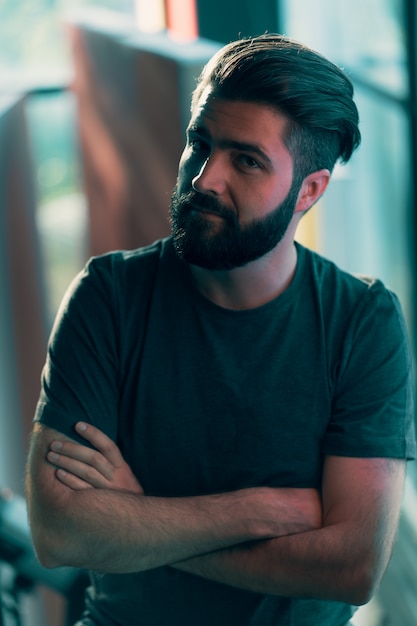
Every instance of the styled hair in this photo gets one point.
(313, 94)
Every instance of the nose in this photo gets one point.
(211, 177)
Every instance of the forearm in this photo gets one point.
(328, 563)
(118, 529)
(120, 532)
(344, 560)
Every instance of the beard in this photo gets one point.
(200, 242)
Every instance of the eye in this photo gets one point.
(248, 162)
(198, 145)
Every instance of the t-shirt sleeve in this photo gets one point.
(372, 412)
(80, 376)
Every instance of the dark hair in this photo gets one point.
(309, 90)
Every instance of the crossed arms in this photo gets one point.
(88, 510)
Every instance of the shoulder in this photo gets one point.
(122, 270)
(120, 261)
(110, 279)
(339, 289)
(356, 313)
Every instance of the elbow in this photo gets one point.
(359, 594)
(52, 539)
(47, 560)
(50, 548)
(47, 556)
(362, 583)
(366, 590)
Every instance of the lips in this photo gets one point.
(202, 209)
(199, 203)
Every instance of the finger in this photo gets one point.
(72, 481)
(85, 455)
(101, 441)
(81, 470)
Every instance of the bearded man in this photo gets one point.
(225, 416)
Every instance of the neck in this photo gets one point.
(254, 284)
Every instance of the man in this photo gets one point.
(225, 416)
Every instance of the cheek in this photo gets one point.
(186, 171)
(279, 193)
(258, 203)
(184, 158)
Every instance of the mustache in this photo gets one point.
(199, 201)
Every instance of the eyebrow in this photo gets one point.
(231, 143)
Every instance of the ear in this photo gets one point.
(312, 188)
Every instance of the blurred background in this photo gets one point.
(94, 100)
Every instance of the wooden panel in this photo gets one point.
(22, 303)
(133, 93)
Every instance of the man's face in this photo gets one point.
(234, 198)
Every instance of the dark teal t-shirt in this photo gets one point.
(202, 399)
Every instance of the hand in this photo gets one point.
(80, 467)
